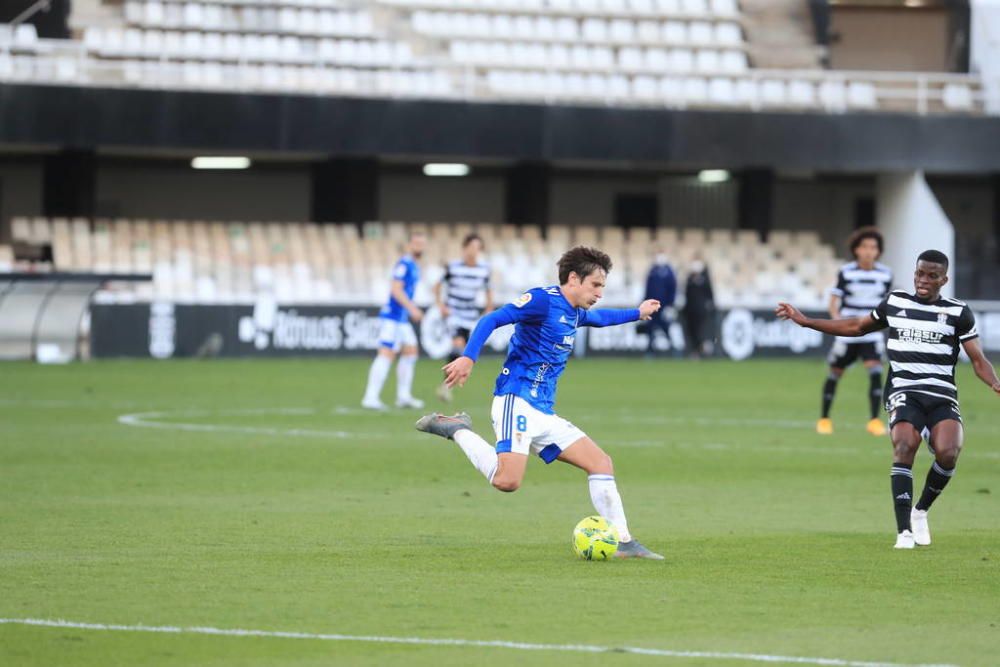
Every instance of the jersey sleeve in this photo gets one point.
(965, 329)
(531, 307)
(880, 313)
(606, 317)
(841, 286)
(400, 271)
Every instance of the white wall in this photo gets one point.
(911, 218)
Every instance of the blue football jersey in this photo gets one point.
(408, 271)
(544, 334)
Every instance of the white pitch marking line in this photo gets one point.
(148, 420)
(475, 643)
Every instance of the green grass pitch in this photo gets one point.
(255, 495)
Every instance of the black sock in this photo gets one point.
(875, 391)
(829, 389)
(937, 479)
(902, 494)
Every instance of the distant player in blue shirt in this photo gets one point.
(396, 334)
(546, 320)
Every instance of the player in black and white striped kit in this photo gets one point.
(925, 332)
(464, 279)
(861, 285)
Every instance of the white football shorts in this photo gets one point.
(522, 429)
(393, 335)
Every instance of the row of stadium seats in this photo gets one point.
(582, 57)
(268, 19)
(134, 43)
(566, 29)
(638, 8)
(214, 262)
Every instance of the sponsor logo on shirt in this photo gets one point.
(522, 301)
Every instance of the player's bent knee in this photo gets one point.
(506, 485)
(948, 456)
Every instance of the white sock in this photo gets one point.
(376, 377)
(480, 452)
(404, 377)
(607, 502)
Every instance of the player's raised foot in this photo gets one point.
(444, 392)
(875, 427)
(904, 540)
(444, 425)
(921, 531)
(409, 402)
(634, 549)
(824, 426)
(376, 404)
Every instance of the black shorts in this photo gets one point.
(844, 354)
(459, 332)
(920, 410)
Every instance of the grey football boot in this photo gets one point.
(443, 425)
(634, 549)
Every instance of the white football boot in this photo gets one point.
(374, 405)
(904, 540)
(409, 402)
(921, 531)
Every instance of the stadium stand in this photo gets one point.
(234, 262)
(670, 53)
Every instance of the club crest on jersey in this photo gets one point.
(522, 300)
(942, 318)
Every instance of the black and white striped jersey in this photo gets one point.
(463, 284)
(923, 343)
(860, 290)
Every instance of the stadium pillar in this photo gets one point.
(912, 221)
(527, 194)
(345, 190)
(69, 182)
(756, 201)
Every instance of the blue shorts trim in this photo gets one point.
(549, 453)
(387, 344)
(503, 446)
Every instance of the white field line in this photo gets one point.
(472, 643)
(152, 420)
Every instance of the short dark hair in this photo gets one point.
(582, 261)
(862, 233)
(469, 238)
(934, 257)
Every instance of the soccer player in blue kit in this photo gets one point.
(546, 320)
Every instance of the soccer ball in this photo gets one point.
(595, 539)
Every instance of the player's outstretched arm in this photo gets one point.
(607, 317)
(981, 365)
(851, 327)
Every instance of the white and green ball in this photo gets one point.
(595, 539)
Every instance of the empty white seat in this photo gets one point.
(745, 92)
(134, 13)
(957, 97)
(194, 15)
(861, 94)
(728, 33)
(695, 7)
(801, 93)
(707, 61)
(674, 32)
(721, 91)
(595, 30)
(695, 90)
(644, 88)
(773, 92)
(725, 8)
(152, 13)
(630, 58)
(657, 59)
(132, 42)
(672, 91)
(681, 60)
(700, 32)
(622, 30)
(152, 43)
(734, 62)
